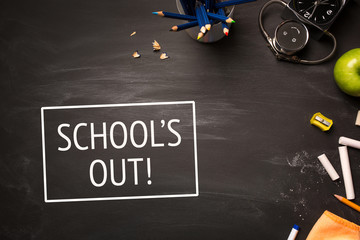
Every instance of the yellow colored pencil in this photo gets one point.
(347, 202)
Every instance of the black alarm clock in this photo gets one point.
(318, 13)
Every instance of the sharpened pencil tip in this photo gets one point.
(230, 20)
(208, 27)
(338, 197)
(156, 13)
(227, 34)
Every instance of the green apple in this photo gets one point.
(347, 72)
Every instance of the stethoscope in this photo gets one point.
(290, 37)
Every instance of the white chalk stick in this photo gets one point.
(349, 142)
(357, 121)
(346, 170)
(328, 167)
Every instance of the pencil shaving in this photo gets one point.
(164, 56)
(132, 34)
(136, 54)
(156, 45)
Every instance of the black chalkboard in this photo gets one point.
(258, 172)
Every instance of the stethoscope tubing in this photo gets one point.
(281, 56)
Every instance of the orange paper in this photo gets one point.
(332, 227)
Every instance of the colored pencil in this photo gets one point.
(192, 6)
(184, 26)
(208, 5)
(186, 7)
(200, 35)
(230, 3)
(220, 17)
(200, 18)
(211, 7)
(226, 31)
(203, 13)
(205, 17)
(224, 24)
(347, 202)
(174, 15)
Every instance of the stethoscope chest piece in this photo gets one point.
(290, 37)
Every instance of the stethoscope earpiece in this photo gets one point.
(291, 36)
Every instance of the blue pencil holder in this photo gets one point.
(215, 34)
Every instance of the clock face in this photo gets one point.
(317, 11)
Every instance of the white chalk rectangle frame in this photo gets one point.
(196, 194)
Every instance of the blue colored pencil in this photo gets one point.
(203, 13)
(200, 18)
(224, 24)
(212, 3)
(207, 5)
(230, 3)
(186, 7)
(192, 6)
(184, 26)
(174, 15)
(220, 17)
(205, 17)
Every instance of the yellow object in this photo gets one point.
(332, 227)
(321, 121)
(347, 202)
